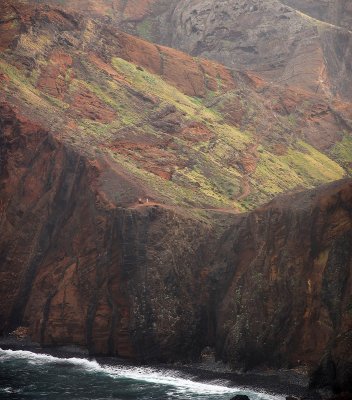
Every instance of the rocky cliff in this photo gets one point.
(123, 168)
(267, 37)
(120, 281)
(155, 283)
(302, 43)
(287, 298)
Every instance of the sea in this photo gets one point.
(28, 375)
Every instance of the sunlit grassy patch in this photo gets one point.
(314, 166)
(342, 152)
(28, 92)
(206, 170)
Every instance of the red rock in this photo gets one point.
(81, 262)
(9, 25)
(105, 67)
(152, 158)
(56, 76)
(86, 104)
(175, 67)
(196, 132)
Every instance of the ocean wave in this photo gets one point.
(172, 379)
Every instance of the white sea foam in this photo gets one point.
(9, 389)
(173, 379)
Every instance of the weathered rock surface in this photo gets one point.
(288, 268)
(81, 262)
(151, 282)
(302, 43)
(266, 37)
(121, 281)
(335, 12)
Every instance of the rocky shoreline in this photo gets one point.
(288, 383)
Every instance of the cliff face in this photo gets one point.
(335, 12)
(153, 282)
(123, 166)
(121, 281)
(288, 293)
(267, 37)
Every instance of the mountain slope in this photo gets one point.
(183, 131)
(336, 12)
(151, 282)
(302, 43)
(277, 41)
(123, 166)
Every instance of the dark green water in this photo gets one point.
(26, 375)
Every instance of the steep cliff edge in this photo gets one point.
(288, 291)
(150, 282)
(93, 124)
(121, 281)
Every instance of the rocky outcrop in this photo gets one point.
(153, 282)
(121, 281)
(102, 137)
(267, 37)
(288, 297)
(336, 12)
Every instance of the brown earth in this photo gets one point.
(301, 43)
(53, 79)
(335, 12)
(86, 104)
(81, 262)
(154, 283)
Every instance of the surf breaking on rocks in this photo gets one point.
(176, 381)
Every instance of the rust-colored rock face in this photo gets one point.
(289, 268)
(86, 104)
(150, 282)
(192, 77)
(270, 38)
(53, 78)
(122, 167)
(76, 271)
(303, 43)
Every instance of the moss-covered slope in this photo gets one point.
(183, 131)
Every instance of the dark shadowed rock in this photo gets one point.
(83, 262)
(240, 397)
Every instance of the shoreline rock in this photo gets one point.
(275, 382)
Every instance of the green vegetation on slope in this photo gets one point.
(203, 171)
(342, 151)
